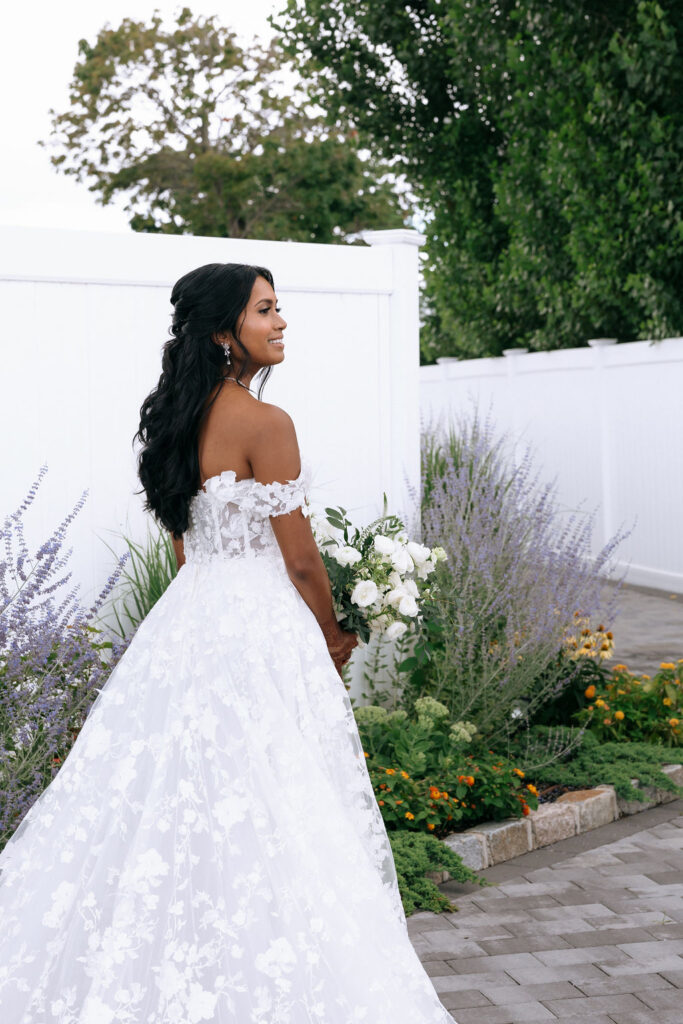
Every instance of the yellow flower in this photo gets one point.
(667, 664)
(390, 771)
(589, 692)
(667, 701)
(600, 703)
(409, 815)
(532, 789)
(619, 715)
(405, 775)
(518, 771)
(430, 826)
(620, 668)
(673, 722)
(366, 755)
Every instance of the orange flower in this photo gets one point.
(381, 803)
(526, 809)
(434, 792)
(405, 775)
(532, 789)
(673, 722)
(619, 715)
(409, 815)
(607, 721)
(365, 755)
(430, 826)
(470, 780)
(667, 664)
(620, 668)
(667, 701)
(445, 795)
(399, 802)
(589, 692)
(518, 771)
(390, 771)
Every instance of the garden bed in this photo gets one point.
(574, 812)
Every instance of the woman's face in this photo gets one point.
(260, 328)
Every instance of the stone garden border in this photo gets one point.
(492, 843)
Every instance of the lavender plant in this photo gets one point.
(54, 658)
(517, 571)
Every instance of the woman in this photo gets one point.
(211, 849)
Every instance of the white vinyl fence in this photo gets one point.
(605, 421)
(85, 316)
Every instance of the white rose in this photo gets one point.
(395, 630)
(410, 587)
(379, 624)
(425, 569)
(394, 597)
(408, 606)
(325, 530)
(364, 593)
(395, 579)
(418, 552)
(347, 556)
(439, 555)
(384, 545)
(401, 560)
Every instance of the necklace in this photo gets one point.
(240, 384)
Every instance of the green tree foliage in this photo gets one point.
(204, 137)
(545, 140)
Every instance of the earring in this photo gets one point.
(226, 347)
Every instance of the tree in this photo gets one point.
(545, 142)
(204, 138)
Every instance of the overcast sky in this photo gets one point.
(38, 51)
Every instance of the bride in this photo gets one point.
(211, 848)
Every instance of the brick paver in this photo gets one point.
(581, 933)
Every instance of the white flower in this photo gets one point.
(395, 579)
(439, 555)
(364, 593)
(379, 624)
(347, 555)
(410, 587)
(401, 560)
(418, 552)
(395, 630)
(425, 569)
(394, 597)
(384, 545)
(408, 606)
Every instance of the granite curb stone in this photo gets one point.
(572, 814)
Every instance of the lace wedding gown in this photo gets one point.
(211, 848)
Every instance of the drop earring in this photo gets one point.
(226, 347)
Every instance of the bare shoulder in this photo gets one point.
(273, 449)
(267, 417)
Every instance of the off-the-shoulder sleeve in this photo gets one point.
(276, 499)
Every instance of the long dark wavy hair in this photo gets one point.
(208, 300)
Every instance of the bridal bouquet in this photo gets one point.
(378, 575)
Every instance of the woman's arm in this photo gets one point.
(274, 455)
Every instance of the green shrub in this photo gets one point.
(414, 855)
(639, 708)
(594, 763)
(428, 776)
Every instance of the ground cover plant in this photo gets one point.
(53, 659)
(415, 854)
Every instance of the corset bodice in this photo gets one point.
(231, 518)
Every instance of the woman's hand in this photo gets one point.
(340, 644)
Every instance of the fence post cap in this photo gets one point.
(394, 236)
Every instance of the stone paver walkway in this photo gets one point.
(648, 629)
(589, 931)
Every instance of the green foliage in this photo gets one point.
(428, 775)
(203, 137)
(545, 141)
(153, 567)
(597, 763)
(637, 708)
(416, 854)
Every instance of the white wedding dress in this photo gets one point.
(211, 848)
